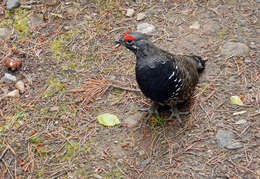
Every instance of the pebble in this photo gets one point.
(11, 4)
(195, 25)
(145, 28)
(14, 93)
(241, 121)
(235, 49)
(8, 77)
(141, 152)
(224, 138)
(257, 1)
(133, 120)
(20, 86)
(5, 33)
(140, 16)
(35, 20)
(235, 145)
(130, 12)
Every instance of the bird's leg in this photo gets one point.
(152, 110)
(176, 113)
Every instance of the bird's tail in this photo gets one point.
(201, 63)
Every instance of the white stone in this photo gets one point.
(20, 86)
(145, 28)
(14, 93)
(130, 12)
(195, 25)
(140, 16)
(241, 121)
(9, 77)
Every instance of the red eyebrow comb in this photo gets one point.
(129, 37)
(127, 32)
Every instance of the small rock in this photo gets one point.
(35, 20)
(257, 1)
(224, 138)
(145, 28)
(235, 49)
(140, 16)
(20, 86)
(195, 25)
(54, 108)
(141, 152)
(14, 93)
(235, 145)
(8, 77)
(11, 4)
(252, 45)
(130, 12)
(241, 121)
(133, 120)
(112, 77)
(237, 156)
(5, 33)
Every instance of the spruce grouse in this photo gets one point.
(165, 78)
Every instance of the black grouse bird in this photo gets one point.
(165, 78)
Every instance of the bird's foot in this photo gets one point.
(152, 110)
(176, 113)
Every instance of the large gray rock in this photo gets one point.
(35, 20)
(235, 49)
(5, 33)
(11, 4)
(225, 139)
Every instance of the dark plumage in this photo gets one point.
(165, 78)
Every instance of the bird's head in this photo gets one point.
(133, 40)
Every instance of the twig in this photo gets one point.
(253, 115)
(243, 168)
(3, 153)
(8, 169)
(123, 88)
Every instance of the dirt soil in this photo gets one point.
(68, 63)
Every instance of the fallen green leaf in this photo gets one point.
(108, 119)
(236, 100)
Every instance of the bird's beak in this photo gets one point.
(119, 42)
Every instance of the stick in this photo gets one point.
(3, 153)
(122, 88)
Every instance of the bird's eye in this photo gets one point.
(129, 41)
